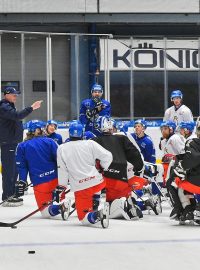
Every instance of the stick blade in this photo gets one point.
(3, 224)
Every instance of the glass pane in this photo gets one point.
(149, 94)
(187, 82)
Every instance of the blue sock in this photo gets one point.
(54, 210)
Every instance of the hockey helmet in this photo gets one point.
(187, 125)
(52, 122)
(34, 124)
(76, 129)
(170, 124)
(141, 122)
(176, 94)
(97, 87)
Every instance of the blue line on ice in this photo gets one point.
(168, 241)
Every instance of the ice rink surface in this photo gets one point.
(153, 242)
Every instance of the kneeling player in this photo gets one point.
(187, 181)
(76, 163)
(37, 156)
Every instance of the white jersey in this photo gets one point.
(182, 114)
(174, 145)
(76, 163)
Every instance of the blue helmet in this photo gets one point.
(88, 135)
(97, 87)
(187, 125)
(34, 124)
(176, 94)
(76, 129)
(169, 124)
(52, 122)
(141, 122)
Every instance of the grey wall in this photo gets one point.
(101, 6)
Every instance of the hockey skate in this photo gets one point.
(104, 215)
(13, 202)
(134, 212)
(65, 209)
(187, 216)
(154, 203)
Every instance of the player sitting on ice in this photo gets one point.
(36, 156)
(186, 181)
(118, 189)
(77, 163)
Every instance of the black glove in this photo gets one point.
(20, 186)
(179, 171)
(98, 102)
(58, 193)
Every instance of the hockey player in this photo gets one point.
(144, 141)
(178, 112)
(118, 189)
(172, 145)
(51, 128)
(188, 179)
(77, 163)
(36, 156)
(92, 108)
(186, 130)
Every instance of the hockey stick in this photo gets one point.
(12, 196)
(13, 224)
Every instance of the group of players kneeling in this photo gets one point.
(99, 166)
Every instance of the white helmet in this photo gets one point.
(105, 124)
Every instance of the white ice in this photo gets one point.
(153, 242)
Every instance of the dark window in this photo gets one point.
(41, 86)
(149, 94)
(187, 82)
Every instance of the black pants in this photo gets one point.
(9, 170)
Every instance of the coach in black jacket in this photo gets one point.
(11, 133)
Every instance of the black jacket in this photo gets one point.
(191, 161)
(122, 150)
(11, 128)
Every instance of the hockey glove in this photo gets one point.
(58, 193)
(179, 171)
(98, 102)
(91, 113)
(20, 186)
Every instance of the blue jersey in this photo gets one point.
(146, 146)
(56, 137)
(89, 104)
(38, 157)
